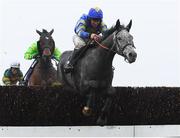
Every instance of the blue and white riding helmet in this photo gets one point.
(95, 13)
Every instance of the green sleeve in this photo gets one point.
(57, 54)
(32, 50)
(6, 80)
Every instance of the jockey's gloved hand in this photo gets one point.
(95, 37)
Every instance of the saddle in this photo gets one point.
(74, 59)
(82, 51)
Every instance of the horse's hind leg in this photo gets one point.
(87, 110)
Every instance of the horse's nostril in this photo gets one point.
(135, 55)
(130, 54)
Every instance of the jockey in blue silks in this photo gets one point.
(88, 27)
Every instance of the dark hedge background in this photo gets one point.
(55, 106)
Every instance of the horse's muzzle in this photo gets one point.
(131, 57)
(46, 52)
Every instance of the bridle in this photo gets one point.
(115, 44)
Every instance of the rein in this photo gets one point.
(104, 47)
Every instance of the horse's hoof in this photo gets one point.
(56, 84)
(87, 111)
(101, 121)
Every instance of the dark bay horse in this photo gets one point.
(93, 72)
(44, 74)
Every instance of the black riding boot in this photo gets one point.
(68, 67)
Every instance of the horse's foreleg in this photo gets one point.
(102, 119)
(87, 110)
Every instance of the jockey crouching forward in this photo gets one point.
(12, 75)
(32, 53)
(87, 28)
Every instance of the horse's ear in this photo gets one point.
(117, 24)
(128, 27)
(38, 32)
(51, 31)
(44, 31)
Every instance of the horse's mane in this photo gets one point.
(110, 31)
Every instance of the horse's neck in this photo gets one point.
(45, 64)
(106, 54)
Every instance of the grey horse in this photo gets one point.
(94, 73)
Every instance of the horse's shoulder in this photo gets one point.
(65, 55)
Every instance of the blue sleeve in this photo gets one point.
(80, 29)
(84, 34)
